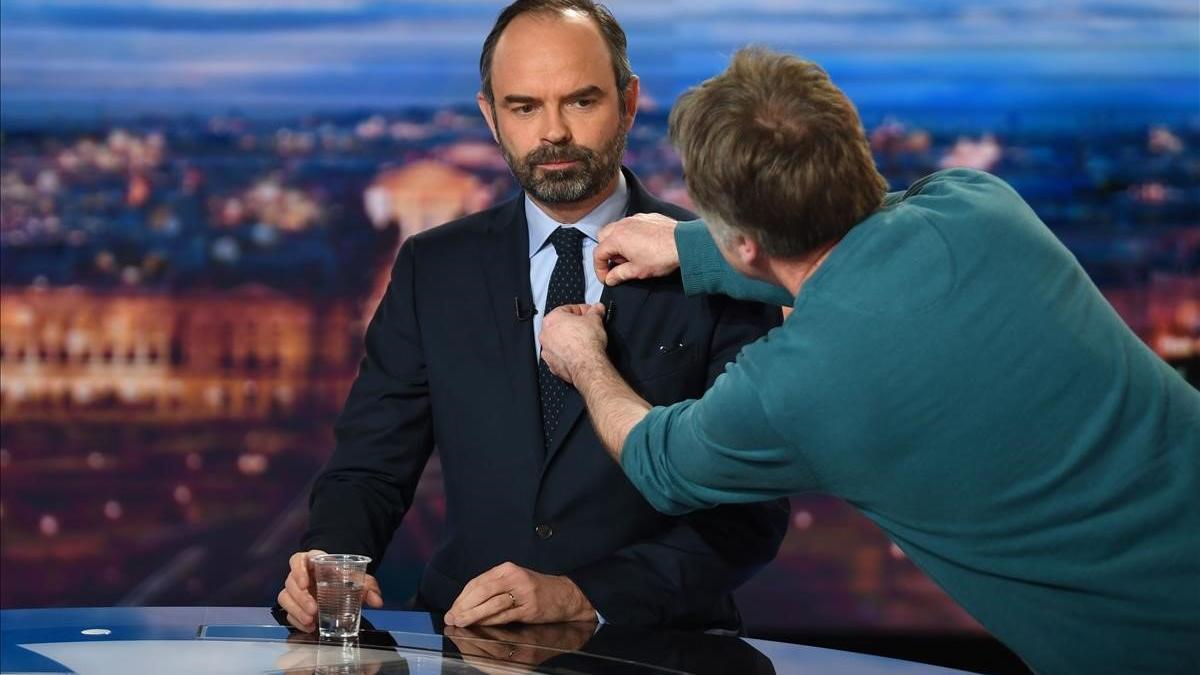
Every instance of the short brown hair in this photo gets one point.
(773, 149)
(614, 37)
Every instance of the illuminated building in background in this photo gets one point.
(89, 355)
(417, 197)
(422, 195)
(1166, 314)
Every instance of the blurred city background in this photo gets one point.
(201, 198)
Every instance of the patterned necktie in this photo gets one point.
(566, 288)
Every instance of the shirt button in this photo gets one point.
(544, 531)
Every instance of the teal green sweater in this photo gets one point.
(951, 371)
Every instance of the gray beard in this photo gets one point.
(565, 186)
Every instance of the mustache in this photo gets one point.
(558, 153)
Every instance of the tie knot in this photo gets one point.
(567, 241)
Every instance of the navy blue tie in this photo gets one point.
(566, 288)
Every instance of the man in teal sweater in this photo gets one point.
(948, 369)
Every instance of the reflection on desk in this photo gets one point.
(129, 640)
(580, 647)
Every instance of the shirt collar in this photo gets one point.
(541, 226)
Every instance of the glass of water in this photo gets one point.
(340, 578)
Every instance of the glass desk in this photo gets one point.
(133, 640)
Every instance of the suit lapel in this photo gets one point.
(504, 258)
(624, 303)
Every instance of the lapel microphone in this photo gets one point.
(523, 312)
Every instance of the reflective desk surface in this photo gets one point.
(248, 640)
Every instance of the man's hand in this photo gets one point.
(299, 595)
(574, 346)
(641, 246)
(509, 593)
(572, 337)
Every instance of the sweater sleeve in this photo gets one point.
(705, 271)
(719, 449)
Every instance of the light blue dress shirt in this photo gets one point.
(542, 255)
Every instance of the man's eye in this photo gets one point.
(585, 102)
(523, 109)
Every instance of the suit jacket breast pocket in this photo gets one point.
(668, 373)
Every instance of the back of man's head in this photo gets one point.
(614, 37)
(772, 148)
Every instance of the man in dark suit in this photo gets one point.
(451, 360)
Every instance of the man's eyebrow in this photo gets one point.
(583, 92)
(517, 98)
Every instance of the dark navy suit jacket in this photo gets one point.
(449, 364)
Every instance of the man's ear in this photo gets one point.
(488, 110)
(748, 251)
(631, 101)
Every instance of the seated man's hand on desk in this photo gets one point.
(509, 593)
(299, 595)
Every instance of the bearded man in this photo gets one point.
(541, 526)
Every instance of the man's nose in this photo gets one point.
(556, 130)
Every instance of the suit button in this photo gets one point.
(544, 531)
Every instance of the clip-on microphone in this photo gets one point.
(523, 312)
